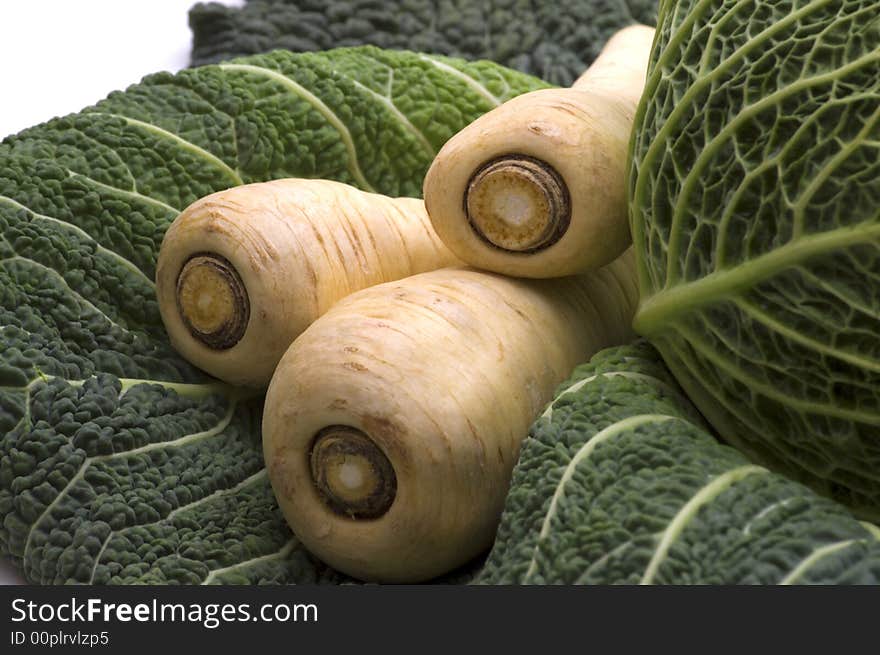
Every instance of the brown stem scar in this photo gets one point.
(351, 473)
(518, 204)
(212, 301)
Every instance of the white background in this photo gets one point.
(58, 56)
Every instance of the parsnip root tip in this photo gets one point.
(212, 301)
(518, 204)
(351, 473)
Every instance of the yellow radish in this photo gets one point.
(392, 424)
(242, 272)
(537, 187)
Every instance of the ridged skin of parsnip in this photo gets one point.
(299, 246)
(445, 372)
(582, 133)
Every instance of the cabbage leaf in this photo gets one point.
(755, 210)
(619, 482)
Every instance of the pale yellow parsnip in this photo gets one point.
(537, 186)
(242, 272)
(443, 373)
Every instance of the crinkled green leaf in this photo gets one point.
(619, 482)
(553, 40)
(755, 200)
(120, 462)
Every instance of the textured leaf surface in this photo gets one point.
(553, 40)
(120, 462)
(620, 483)
(756, 216)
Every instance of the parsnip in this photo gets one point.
(242, 272)
(537, 187)
(392, 424)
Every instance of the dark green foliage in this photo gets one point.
(755, 209)
(620, 483)
(553, 40)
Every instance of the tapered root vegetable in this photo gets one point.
(244, 271)
(537, 187)
(392, 424)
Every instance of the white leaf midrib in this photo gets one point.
(75, 295)
(813, 558)
(220, 493)
(401, 117)
(184, 389)
(613, 430)
(689, 510)
(129, 193)
(283, 552)
(179, 140)
(747, 528)
(319, 105)
(580, 384)
(481, 90)
(128, 265)
(88, 461)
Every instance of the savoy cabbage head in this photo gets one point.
(755, 209)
